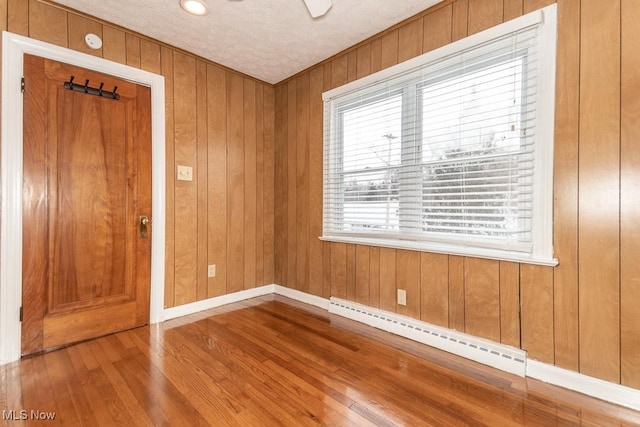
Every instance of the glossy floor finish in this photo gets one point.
(273, 361)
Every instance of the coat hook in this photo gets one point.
(69, 84)
(97, 91)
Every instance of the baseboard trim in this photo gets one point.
(499, 356)
(304, 297)
(594, 387)
(487, 352)
(195, 307)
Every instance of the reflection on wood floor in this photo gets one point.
(273, 361)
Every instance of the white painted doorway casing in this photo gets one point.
(14, 47)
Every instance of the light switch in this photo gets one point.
(185, 173)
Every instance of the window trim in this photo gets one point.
(542, 237)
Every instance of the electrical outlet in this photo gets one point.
(211, 270)
(402, 297)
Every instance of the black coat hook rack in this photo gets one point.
(97, 91)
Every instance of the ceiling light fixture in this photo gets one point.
(194, 7)
(318, 8)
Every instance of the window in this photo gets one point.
(451, 151)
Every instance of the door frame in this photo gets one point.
(14, 47)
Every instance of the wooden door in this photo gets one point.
(87, 182)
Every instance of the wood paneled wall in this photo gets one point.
(255, 205)
(582, 315)
(220, 123)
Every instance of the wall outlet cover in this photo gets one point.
(185, 173)
(211, 270)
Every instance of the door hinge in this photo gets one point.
(22, 85)
(21, 314)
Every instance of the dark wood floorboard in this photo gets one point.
(273, 361)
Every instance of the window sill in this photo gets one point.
(447, 249)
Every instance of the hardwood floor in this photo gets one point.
(273, 361)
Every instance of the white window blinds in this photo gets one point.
(448, 153)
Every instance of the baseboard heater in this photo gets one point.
(506, 358)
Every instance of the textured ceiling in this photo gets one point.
(267, 39)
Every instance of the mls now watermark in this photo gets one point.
(34, 414)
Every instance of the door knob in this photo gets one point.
(143, 226)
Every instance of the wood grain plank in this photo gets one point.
(410, 37)
(250, 209)
(18, 17)
(119, 384)
(41, 397)
(201, 176)
(114, 45)
(362, 274)
(374, 276)
(186, 192)
(629, 196)
(302, 182)
(512, 9)
(456, 292)
(533, 5)
(510, 303)
(150, 56)
(235, 182)
(260, 185)
(133, 50)
(316, 84)
(350, 268)
(79, 27)
(166, 56)
(339, 270)
(327, 71)
(151, 384)
(61, 372)
(408, 277)
(326, 270)
(35, 206)
(142, 126)
(565, 191)
(363, 54)
(484, 14)
(95, 386)
(460, 19)
(482, 298)
(292, 193)
(599, 179)
(388, 279)
(217, 178)
(279, 188)
(376, 55)
(434, 280)
(437, 28)
(389, 49)
(49, 23)
(3, 14)
(339, 70)
(536, 301)
(352, 65)
(269, 183)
